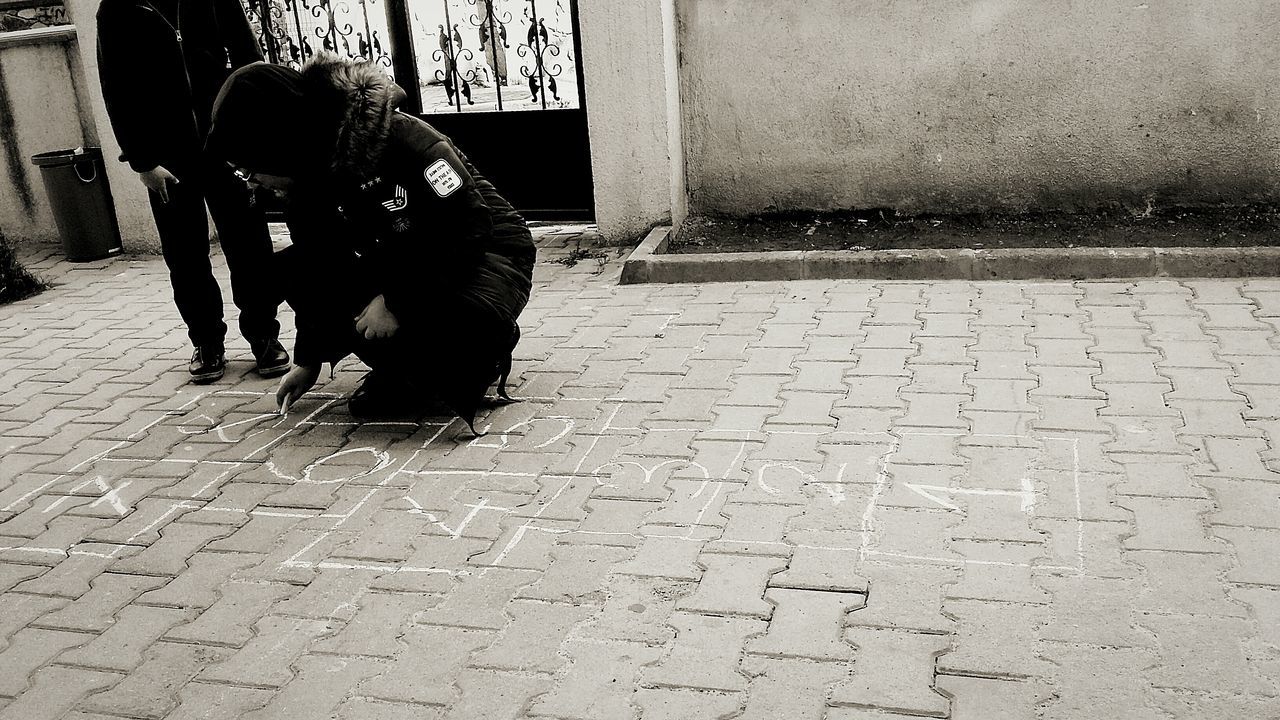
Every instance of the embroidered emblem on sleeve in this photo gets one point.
(442, 177)
(398, 202)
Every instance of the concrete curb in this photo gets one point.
(648, 263)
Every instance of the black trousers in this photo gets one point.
(242, 232)
(451, 350)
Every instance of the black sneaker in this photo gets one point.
(208, 362)
(272, 359)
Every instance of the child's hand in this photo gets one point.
(377, 321)
(294, 385)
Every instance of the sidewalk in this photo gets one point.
(826, 500)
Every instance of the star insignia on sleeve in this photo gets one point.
(399, 202)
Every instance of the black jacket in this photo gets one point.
(407, 215)
(159, 89)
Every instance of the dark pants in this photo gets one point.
(446, 350)
(242, 232)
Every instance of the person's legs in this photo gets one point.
(184, 241)
(454, 360)
(246, 243)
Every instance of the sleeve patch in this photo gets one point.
(442, 178)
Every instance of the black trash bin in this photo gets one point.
(76, 184)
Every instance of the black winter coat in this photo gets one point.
(403, 213)
(159, 78)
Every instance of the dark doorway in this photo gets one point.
(500, 77)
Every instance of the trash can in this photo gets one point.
(76, 184)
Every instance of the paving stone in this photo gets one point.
(733, 585)
(321, 684)
(705, 654)
(754, 529)
(1257, 562)
(1239, 458)
(29, 650)
(122, 645)
(1093, 611)
(425, 670)
(673, 558)
(360, 708)
(1183, 703)
(692, 503)
(97, 609)
(477, 600)
(1155, 476)
(169, 555)
(894, 672)
(1151, 436)
(267, 659)
(997, 572)
(975, 698)
(1265, 605)
(1069, 415)
(807, 624)
(1170, 524)
(1204, 653)
(831, 569)
(229, 621)
(576, 575)
(1099, 682)
(994, 639)
(54, 691)
(150, 691)
(376, 627)
(439, 556)
(679, 704)
(331, 594)
(496, 695)
(198, 586)
(901, 532)
(791, 688)
(599, 683)
(18, 610)
(532, 640)
(905, 597)
(1090, 546)
(636, 610)
(202, 701)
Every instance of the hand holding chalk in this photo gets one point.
(296, 384)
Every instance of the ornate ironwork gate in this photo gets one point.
(500, 77)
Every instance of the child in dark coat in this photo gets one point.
(402, 253)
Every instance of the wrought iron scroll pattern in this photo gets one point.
(291, 32)
(474, 41)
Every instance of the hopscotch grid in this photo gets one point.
(743, 438)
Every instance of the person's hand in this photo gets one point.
(295, 384)
(377, 322)
(157, 181)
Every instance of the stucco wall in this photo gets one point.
(39, 111)
(133, 209)
(633, 114)
(941, 105)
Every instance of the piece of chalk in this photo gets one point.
(284, 405)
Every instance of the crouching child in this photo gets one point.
(402, 253)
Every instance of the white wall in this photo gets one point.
(947, 105)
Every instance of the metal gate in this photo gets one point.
(502, 78)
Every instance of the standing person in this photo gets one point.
(403, 254)
(161, 63)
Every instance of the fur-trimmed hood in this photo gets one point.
(359, 100)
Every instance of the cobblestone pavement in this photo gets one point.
(840, 500)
